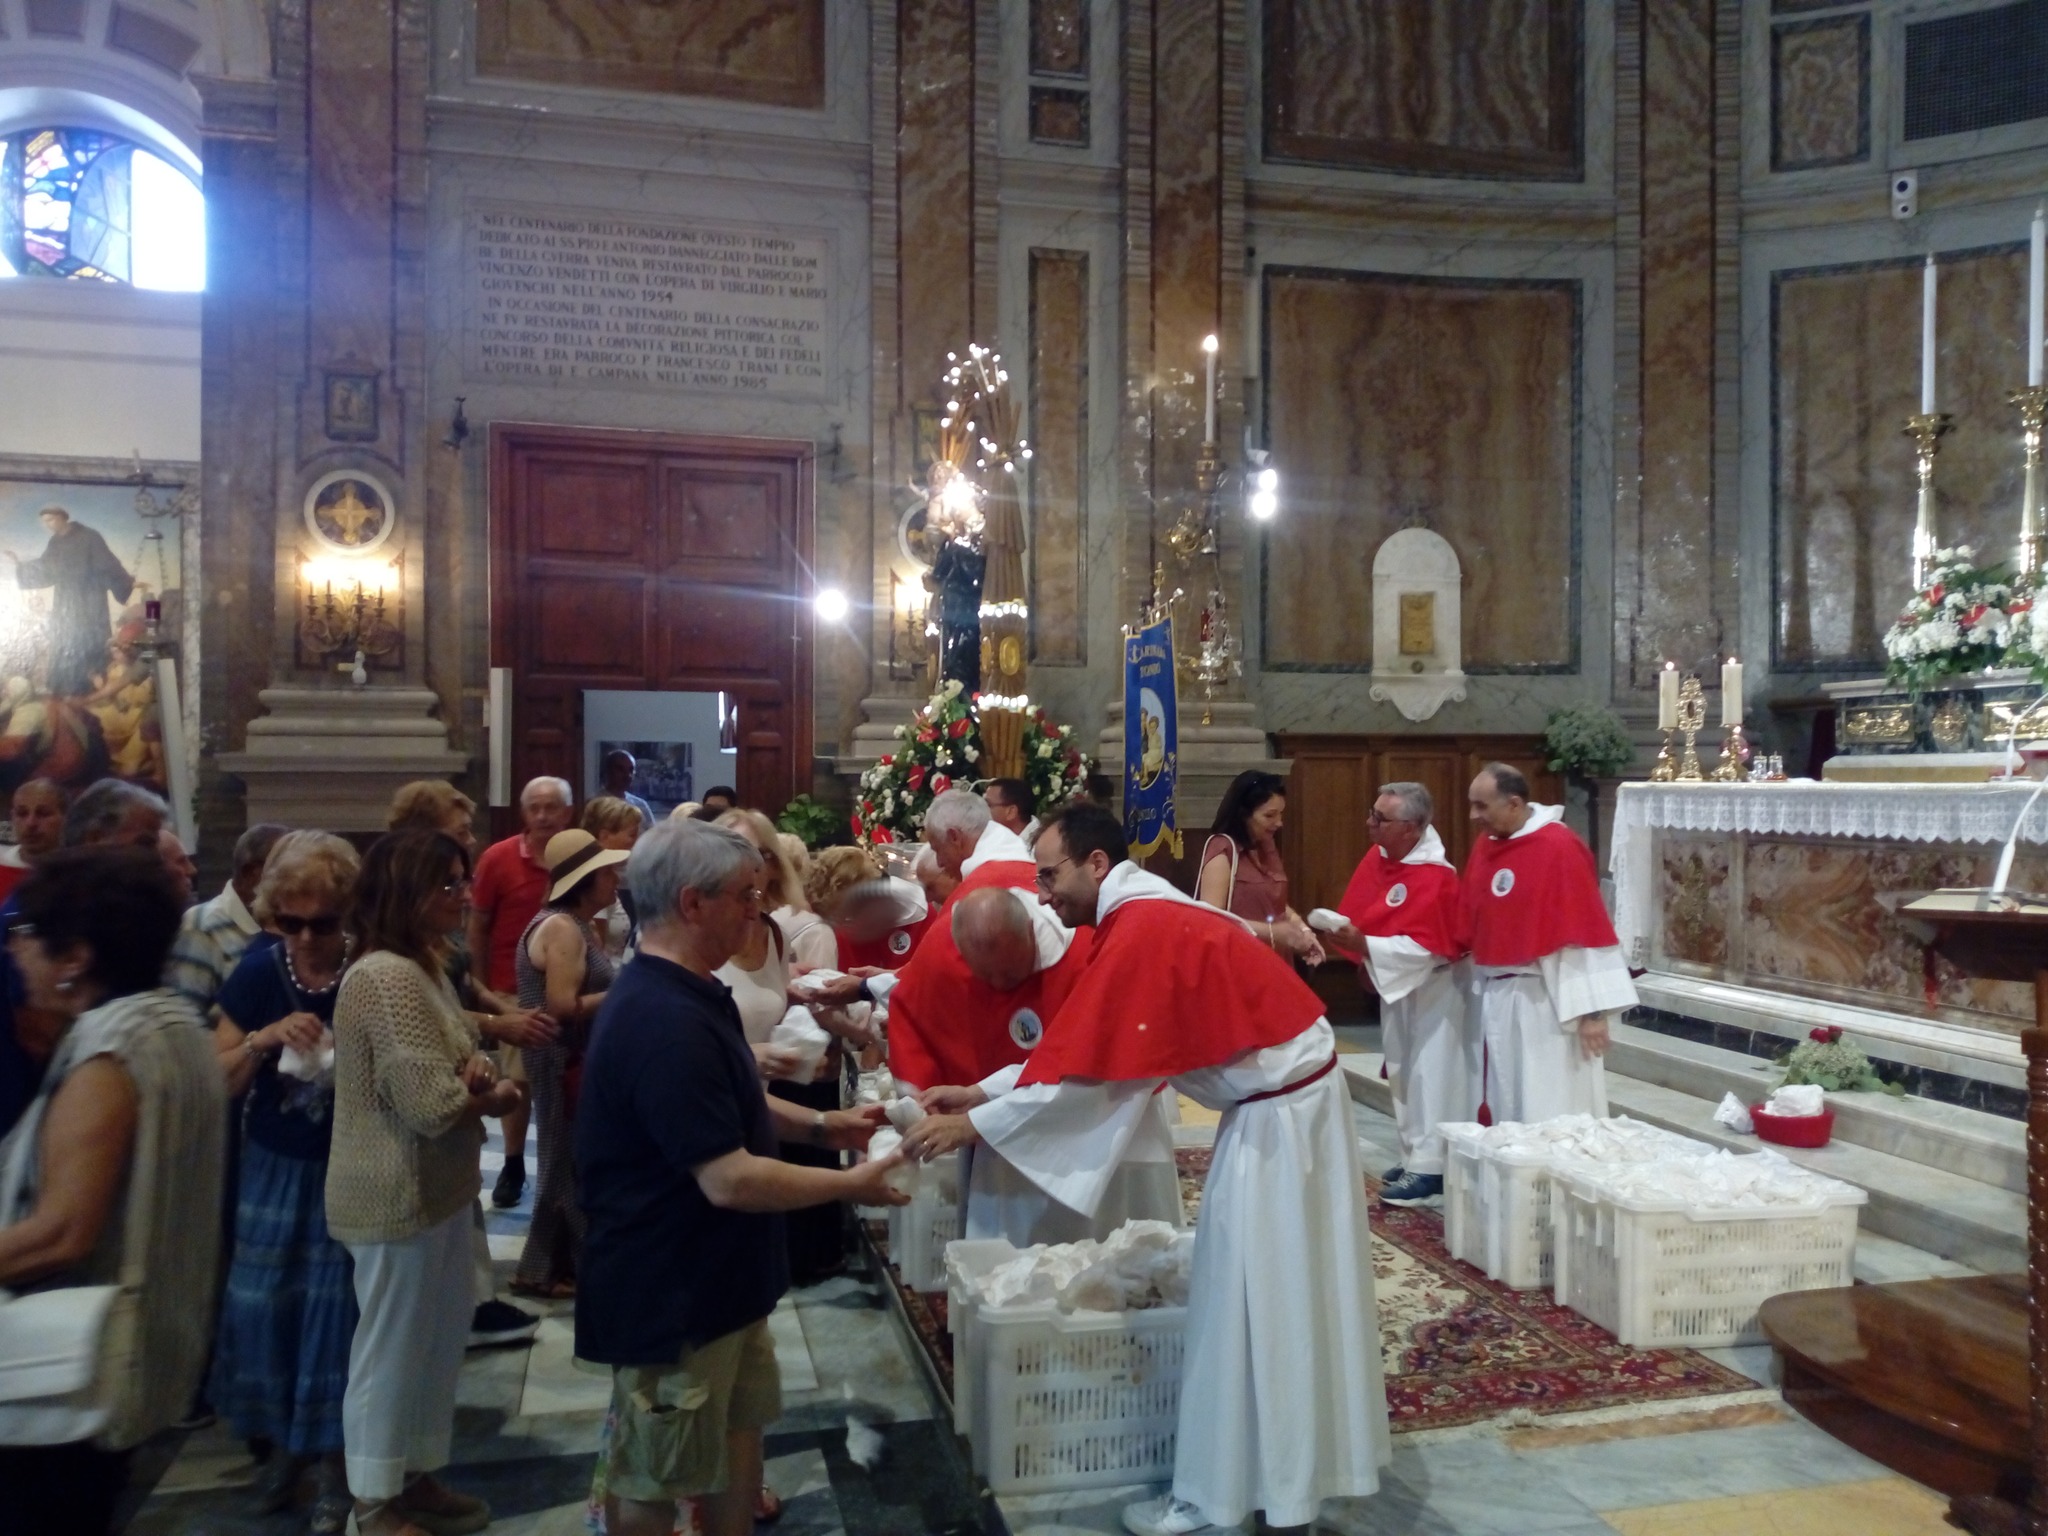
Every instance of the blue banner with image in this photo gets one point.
(1151, 740)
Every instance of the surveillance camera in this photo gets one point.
(1905, 194)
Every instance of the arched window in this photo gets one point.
(84, 203)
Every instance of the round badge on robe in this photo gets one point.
(899, 942)
(1397, 895)
(1503, 881)
(1026, 1029)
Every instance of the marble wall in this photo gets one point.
(766, 51)
(1057, 487)
(1479, 89)
(1458, 403)
(1844, 488)
(1818, 917)
(1820, 93)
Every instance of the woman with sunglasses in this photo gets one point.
(411, 1092)
(280, 1364)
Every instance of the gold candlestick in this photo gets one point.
(2033, 404)
(1927, 429)
(1692, 719)
(1666, 770)
(1730, 769)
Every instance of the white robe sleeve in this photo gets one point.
(1002, 1080)
(1582, 981)
(1068, 1137)
(879, 987)
(1397, 966)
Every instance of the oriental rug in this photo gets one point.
(1460, 1349)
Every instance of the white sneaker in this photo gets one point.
(1164, 1517)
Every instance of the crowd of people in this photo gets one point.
(306, 1062)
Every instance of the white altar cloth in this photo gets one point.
(1924, 813)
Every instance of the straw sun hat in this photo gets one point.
(572, 855)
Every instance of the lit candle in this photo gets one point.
(1731, 692)
(1667, 697)
(1209, 399)
(1927, 338)
(2037, 282)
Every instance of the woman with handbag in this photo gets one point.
(111, 1180)
(280, 1360)
(563, 969)
(411, 1092)
(1242, 871)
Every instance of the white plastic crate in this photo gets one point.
(919, 1231)
(1053, 1400)
(1659, 1274)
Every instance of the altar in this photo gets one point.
(1775, 906)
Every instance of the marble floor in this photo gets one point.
(528, 1422)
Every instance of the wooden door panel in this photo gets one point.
(1328, 797)
(1436, 770)
(588, 509)
(725, 524)
(644, 560)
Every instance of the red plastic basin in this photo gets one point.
(1793, 1130)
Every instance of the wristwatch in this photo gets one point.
(817, 1131)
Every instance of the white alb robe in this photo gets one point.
(1283, 1404)
(1529, 1016)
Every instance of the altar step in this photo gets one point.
(1942, 1179)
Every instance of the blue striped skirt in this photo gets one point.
(280, 1361)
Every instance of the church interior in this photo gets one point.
(1639, 399)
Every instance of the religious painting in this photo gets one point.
(352, 407)
(91, 591)
(663, 771)
(350, 512)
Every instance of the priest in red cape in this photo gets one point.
(997, 997)
(1547, 968)
(1403, 918)
(1282, 1400)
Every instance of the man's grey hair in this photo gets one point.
(103, 806)
(253, 847)
(679, 856)
(957, 810)
(1416, 804)
(548, 781)
(926, 859)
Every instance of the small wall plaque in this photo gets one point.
(1418, 623)
(351, 400)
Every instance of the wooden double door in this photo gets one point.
(638, 560)
(1335, 779)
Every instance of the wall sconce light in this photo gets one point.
(458, 429)
(346, 608)
(912, 632)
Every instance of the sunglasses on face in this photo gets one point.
(319, 927)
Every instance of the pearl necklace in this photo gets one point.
(306, 993)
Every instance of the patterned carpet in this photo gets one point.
(1460, 1349)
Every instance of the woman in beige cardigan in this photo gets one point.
(411, 1091)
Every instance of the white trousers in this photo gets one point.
(1433, 1065)
(480, 1256)
(415, 1298)
(1534, 1067)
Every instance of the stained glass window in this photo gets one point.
(82, 203)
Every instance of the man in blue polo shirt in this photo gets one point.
(683, 1191)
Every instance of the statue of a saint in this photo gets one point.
(955, 583)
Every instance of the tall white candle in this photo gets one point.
(1209, 396)
(1731, 692)
(2037, 283)
(1667, 697)
(1927, 338)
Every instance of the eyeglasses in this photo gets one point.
(1374, 818)
(751, 896)
(1047, 871)
(456, 886)
(319, 927)
(20, 928)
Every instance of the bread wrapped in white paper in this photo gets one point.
(904, 1178)
(308, 1066)
(904, 1113)
(1796, 1100)
(1325, 920)
(805, 1036)
(811, 983)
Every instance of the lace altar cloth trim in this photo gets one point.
(1921, 813)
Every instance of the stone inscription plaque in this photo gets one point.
(592, 298)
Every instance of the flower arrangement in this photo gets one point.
(1824, 1059)
(942, 747)
(1962, 621)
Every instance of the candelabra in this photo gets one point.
(2033, 404)
(1217, 658)
(1927, 429)
(1730, 769)
(348, 621)
(1692, 719)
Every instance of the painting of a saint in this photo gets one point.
(81, 573)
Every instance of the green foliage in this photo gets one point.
(1827, 1061)
(816, 824)
(1587, 741)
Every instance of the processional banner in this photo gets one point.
(1151, 740)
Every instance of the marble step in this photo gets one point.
(1988, 1148)
(1948, 1214)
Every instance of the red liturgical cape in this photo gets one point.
(1527, 897)
(931, 1042)
(892, 951)
(1172, 987)
(1390, 900)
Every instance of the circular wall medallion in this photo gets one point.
(1503, 881)
(1397, 895)
(350, 512)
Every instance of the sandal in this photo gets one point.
(545, 1290)
(767, 1506)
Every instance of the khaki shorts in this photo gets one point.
(670, 1422)
(512, 1062)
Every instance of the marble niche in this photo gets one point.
(1416, 623)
